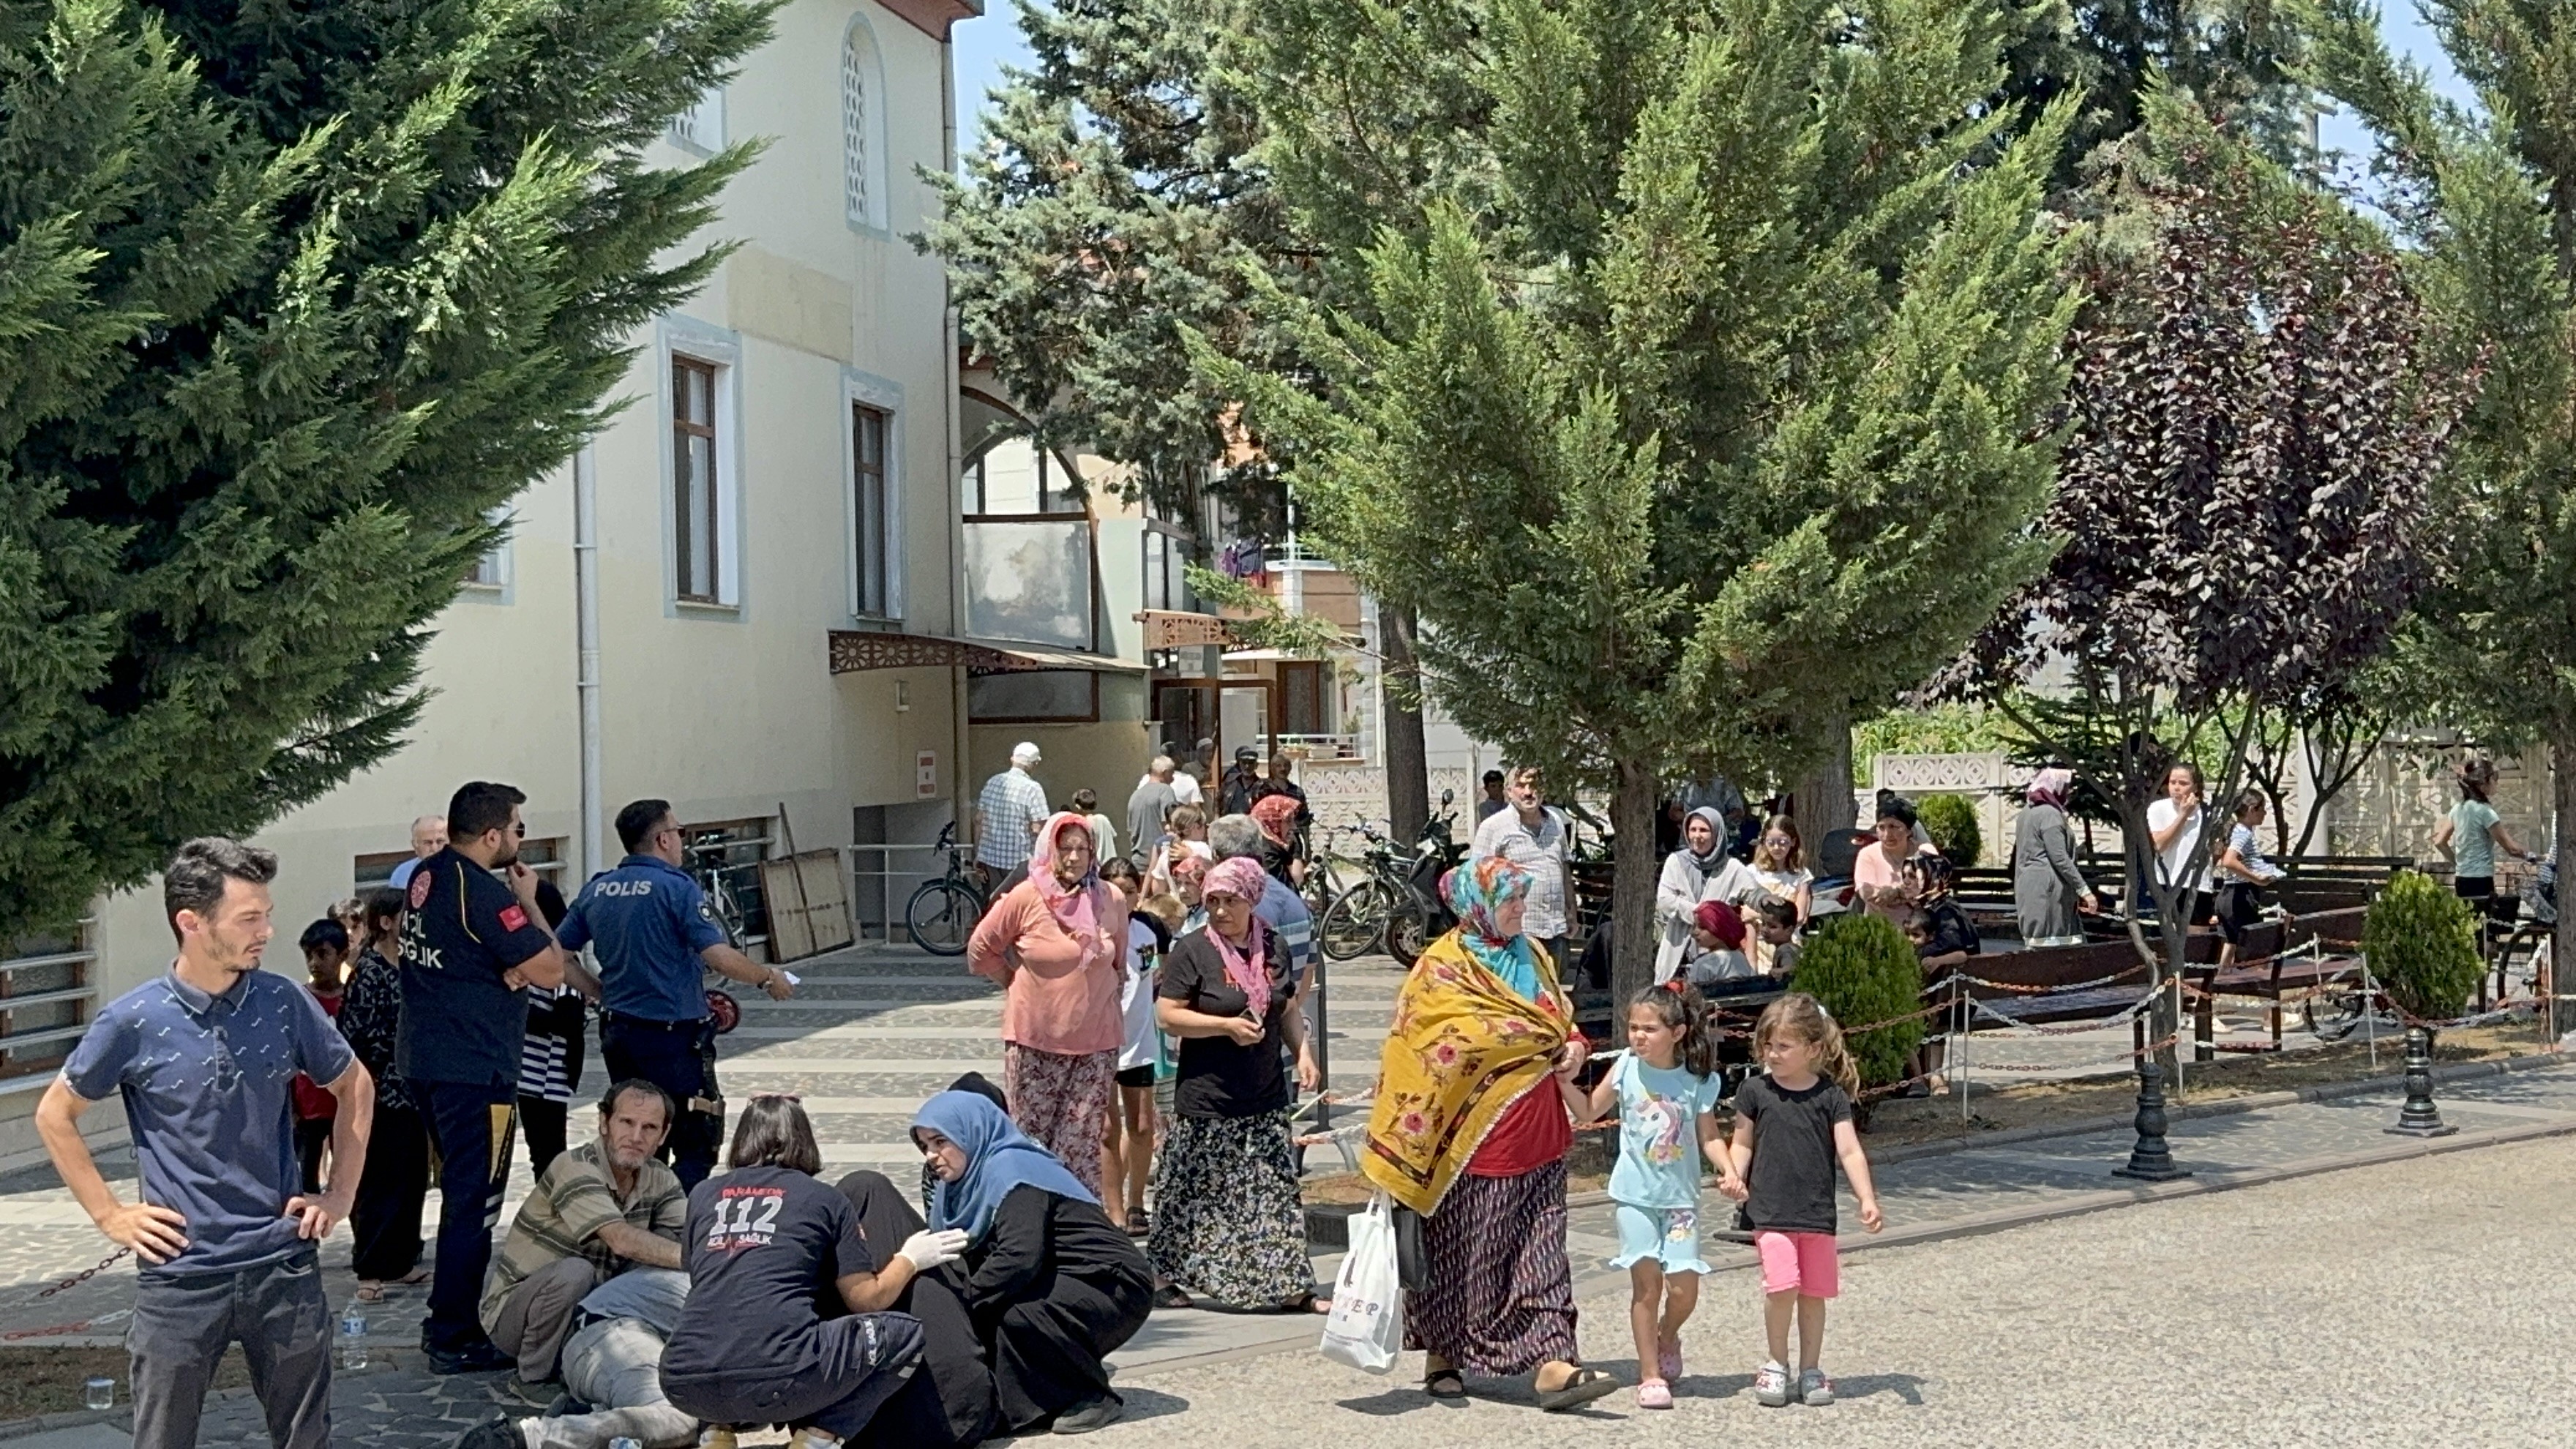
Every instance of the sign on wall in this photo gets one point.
(925, 778)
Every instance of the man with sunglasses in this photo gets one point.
(648, 924)
(469, 943)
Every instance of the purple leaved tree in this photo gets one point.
(2252, 430)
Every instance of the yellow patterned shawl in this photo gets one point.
(1465, 1047)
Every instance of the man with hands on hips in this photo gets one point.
(204, 1058)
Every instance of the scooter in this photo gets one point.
(1420, 915)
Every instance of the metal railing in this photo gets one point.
(878, 894)
(27, 1052)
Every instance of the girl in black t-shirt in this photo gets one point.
(1792, 1125)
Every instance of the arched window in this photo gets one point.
(862, 128)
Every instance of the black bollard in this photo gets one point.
(2151, 1160)
(2419, 1117)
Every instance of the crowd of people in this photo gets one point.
(445, 1015)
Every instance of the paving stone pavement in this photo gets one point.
(876, 1029)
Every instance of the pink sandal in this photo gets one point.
(1654, 1394)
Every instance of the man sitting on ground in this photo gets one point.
(612, 1373)
(600, 1209)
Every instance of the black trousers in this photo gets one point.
(384, 1223)
(681, 1061)
(312, 1139)
(542, 1123)
(949, 1402)
(470, 1125)
(182, 1325)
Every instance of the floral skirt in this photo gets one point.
(1062, 1103)
(1499, 1293)
(1228, 1222)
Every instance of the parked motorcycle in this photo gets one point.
(1420, 915)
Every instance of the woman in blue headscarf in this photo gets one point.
(1051, 1283)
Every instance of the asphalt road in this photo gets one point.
(2421, 1302)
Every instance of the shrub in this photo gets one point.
(2422, 943)
(1951, 821)
(1864, 971)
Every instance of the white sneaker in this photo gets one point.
(1771, 1386)
(1814, 1389)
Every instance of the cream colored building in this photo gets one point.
(816, 374)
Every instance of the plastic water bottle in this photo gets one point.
(622, 1442)
(353, 1339)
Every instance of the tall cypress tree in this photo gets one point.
(1712, 405)
(296, 295)
(2488, 196)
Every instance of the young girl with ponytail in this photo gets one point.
(1791, 1126)
(1667, 1089)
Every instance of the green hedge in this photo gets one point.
(2422, 942)
(1951, 821)
(1865, 971)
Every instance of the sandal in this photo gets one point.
(1586, 1385)
(1303, 1303)
(370, 1292)
(1444, 1383)
(1171, 1296)
(1138, 1224)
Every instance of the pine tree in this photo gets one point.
(2488, 197)
(1701, 397)
(296, 295)
(2236, 60)
(1120, 204)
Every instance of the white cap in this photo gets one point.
(1024, 753)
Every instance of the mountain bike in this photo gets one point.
(1354, 922)
(944, 911)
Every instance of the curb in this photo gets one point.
(1738, 1259)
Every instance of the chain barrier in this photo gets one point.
(56, 1330)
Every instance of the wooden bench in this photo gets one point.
(2273, 969)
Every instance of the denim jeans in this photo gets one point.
(615, 1366)
(182, 1323)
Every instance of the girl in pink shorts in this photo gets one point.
(1791, 1126)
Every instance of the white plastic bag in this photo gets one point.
(1366, 1326)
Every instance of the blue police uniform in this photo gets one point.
(457, 1050)
(647, 922)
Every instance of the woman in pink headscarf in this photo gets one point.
(1228, 1221)
(1057, 943)
(2049, 893)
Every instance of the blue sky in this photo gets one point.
(984, 46)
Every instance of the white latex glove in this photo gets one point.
(928, 1250)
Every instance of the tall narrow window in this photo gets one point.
(693, 479)
(868, 497)
(857, 65)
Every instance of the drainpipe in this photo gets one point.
(585, 568)
(949, 340)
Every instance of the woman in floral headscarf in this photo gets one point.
(1277, 817)
(1228, 1220)
(1057, 943)
(2049, 893)
(1473, 1117)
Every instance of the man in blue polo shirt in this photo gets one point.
(469, 943)
(648, 923)
(204, 1059)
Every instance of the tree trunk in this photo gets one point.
(1408, 766)
(1822, 805)
(2562, 944)
(1632, 880)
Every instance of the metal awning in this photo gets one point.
(854, 650)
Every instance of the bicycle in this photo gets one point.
(1323, 882)
(707, 867)
(944, 911)
(1355, 921)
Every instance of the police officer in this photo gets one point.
(648, 923)
(469, 943)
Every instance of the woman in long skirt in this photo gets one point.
(1470, 1129)
(1228, 1220)
(1057, 944)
